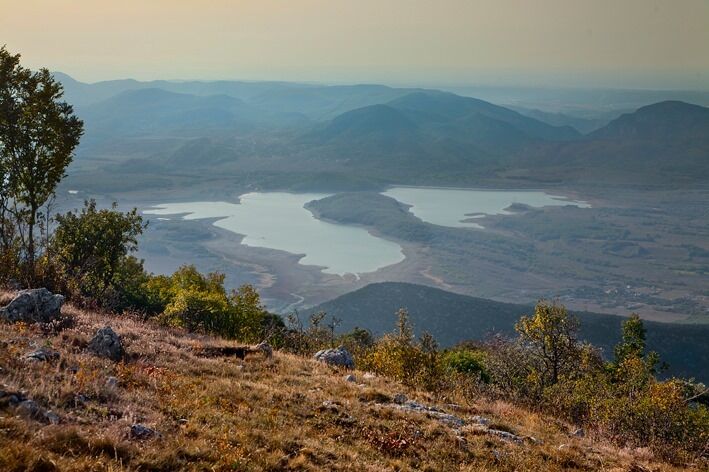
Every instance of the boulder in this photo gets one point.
(42, 354)
(140, 431)
(30, 409)
(106, 343)
(340, 357)
(112, 383)
(37, 305)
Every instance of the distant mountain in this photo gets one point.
(669, 121)
(667, 142)
(581, 124)
(454, 107)
(152, 110)
(427, 131)
(452, 318)
(318, 102)
(373, 121)
(374, 133)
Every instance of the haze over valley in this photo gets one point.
(381, 186)
(452, 235)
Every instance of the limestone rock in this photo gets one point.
(106, 343)
(140, 431)
(42, 354)
(33, 306)
(340, 357)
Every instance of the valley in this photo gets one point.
(601, 258)
(636, 240)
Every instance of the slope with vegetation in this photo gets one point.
(452, 318)
(285, 413)
(167, 394)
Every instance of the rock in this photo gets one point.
(9, 397)
(329, 405)
(579, 433)
(42, 354)
(51, 417)
(112, 383)
(400, 398)
(506, 435)
(340, 357)
(33, 306)
(350, 378)
(140, 431)
(106, 343)
(433, 412)
(480, 420)
(30, 409)
(265, 348)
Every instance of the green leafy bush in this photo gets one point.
(466, 361)
(89, 252)
(196, 302)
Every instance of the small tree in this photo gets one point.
(90, 247)
(38, 135)
(550, 336)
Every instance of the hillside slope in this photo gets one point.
(659, 143)
(452, 318)
(286, 413)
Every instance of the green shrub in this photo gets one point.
(467, 362)
(197, 302)
(89, 251)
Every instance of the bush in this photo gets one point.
(197, 302)
(89, 253)
(467, 362)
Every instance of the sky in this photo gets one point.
(660, 44)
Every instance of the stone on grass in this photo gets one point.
(42, 354)
(339, 357)
(37, 305)
(112, 383)
(30, 409)
(51, 417)
(350, 378)
(106, 343)
(140, 431)
(400, 398)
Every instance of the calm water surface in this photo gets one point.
(279, 221)
(453, 207)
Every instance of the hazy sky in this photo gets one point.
(620, 43)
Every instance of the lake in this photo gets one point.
(279, 221)
(456, 207)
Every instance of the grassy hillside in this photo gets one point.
(452, 318)
(287, 413)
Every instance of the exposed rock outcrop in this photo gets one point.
(140, 431)
(42, 354)
(339, 357)
(106, 343)
(33, 306)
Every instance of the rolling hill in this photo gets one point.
(376, 134)
(664, 142)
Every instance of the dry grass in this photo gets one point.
(222, 414)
